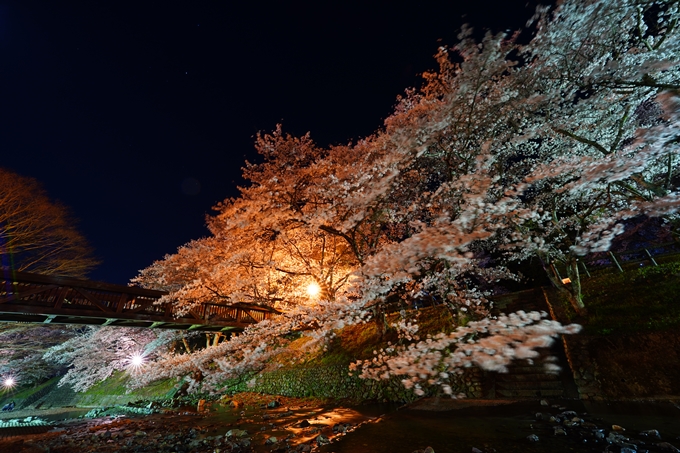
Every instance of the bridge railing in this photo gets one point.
(30, 297)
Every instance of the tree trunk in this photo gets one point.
(576, 298)
(380, 320)
(571, 290)
(186, 345)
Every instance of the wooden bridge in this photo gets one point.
(33, 298)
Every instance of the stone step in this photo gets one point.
(528, 300)
(529, 393)
(538, 368)
(550, 385)
(538, 377)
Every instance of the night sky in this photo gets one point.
(139, 116)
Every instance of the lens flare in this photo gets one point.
(313, 289)
(9, 382)
(136, 362)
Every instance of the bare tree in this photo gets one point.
(38, 234)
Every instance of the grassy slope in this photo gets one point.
(114, 388)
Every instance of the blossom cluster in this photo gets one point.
(509, 151)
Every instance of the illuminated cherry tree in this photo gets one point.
(599, 141)
(539, 150)
(95, 353)
(23, 348)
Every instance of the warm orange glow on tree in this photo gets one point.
(38, 234)
(313, 289)
(509, 152)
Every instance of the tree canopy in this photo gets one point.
(38, 234)
(510, 150)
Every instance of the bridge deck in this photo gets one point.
(34, 298)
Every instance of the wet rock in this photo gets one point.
(539, 416)
(322, 440)
(194, 444)
(558, 431)
(273, 404)
(628, 450)
(618, 428)
(304, 448)
(236, 433)
(341, 427)
(544, 403)
(271, 440)
(303, 424)
(651, 433)
(572, 423)
(665, 446)
(532, 438)
(616, 438)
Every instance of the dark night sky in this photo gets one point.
(123, 109)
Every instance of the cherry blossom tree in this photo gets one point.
(95, 353)
(23, 347)
(589, 153)
(538, 149)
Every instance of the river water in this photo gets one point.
(448, 426)
(505, 428)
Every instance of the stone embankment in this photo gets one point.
(335, 381)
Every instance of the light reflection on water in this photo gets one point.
(489, 426)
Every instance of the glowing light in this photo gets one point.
(313, 289)
(9, 382)
(136, 361)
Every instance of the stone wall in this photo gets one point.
(334, 381)
(583, 367)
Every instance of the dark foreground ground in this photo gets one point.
(253, 423)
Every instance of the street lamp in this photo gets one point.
(313, 289)
(136, 361)
(9, 382)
